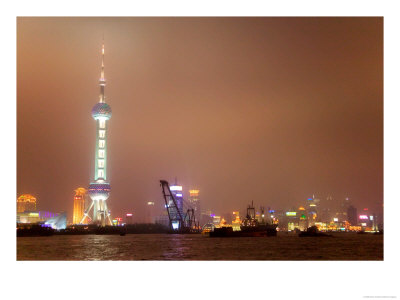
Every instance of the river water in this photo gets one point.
(343, 246)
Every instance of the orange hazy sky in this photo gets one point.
(266, 109)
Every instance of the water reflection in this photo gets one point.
(177, 247)
(198, 247)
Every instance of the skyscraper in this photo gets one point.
(129, 218)
(177, 191)
(312, 210)
(79, 205)
(26, 202)
(352, 215)
(150, 214)
(194, 202)
(99, 189)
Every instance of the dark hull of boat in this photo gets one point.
(262, 231)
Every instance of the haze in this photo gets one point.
(266, 109)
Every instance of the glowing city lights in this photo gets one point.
(291, 213)
(26, 202)
(194, 193)
(175, 188)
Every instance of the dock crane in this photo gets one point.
(178, 222)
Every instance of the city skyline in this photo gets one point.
(294, 110)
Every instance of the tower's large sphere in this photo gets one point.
(101, 111)
(99, 191)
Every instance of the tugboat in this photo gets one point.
(250, 227)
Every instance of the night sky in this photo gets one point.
(272, 110)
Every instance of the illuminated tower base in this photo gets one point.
(98, 212)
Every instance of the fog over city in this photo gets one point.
(273, 110)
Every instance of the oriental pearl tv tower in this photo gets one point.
(99, 189)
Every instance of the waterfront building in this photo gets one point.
(99, 189)
(228, 217)
(150, 212)
(368, 221)
(57, 222)
(271, 216)
(302, 220)
(26, 202)
(341, 214)
(28, 217)
(79, 206)
(292, 220)
(194, 202)
(117, 221)
(236, 222)
(35, 216)
(312, 208)
(216, 220)
(129, 218)
(352, 215)
(277, 216)
(325, 209)
(177, 192)
(344, 205)
(374, 220)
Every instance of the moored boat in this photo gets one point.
(250, 227)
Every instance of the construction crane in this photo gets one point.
(178, 221)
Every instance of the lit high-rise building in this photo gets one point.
(177, 192)
(26, 202)
(99, 189)
(352, 215)
(236, 222)
(312, 210)
(79, 206)
(150, 213)
(129, 218)
(194, 202)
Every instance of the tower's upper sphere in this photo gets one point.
(101, 111)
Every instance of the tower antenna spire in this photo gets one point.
(102, 80)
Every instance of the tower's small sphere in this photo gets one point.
(99, 191)
(101, 111)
